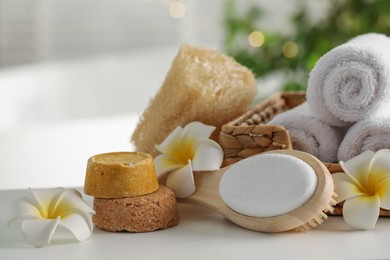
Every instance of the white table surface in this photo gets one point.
(202, 234)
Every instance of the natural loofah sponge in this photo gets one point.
(202, 85)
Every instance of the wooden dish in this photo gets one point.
(310, 214)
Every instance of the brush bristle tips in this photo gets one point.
(329, 209)
(321, 217)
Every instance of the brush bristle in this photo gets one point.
(321, 217)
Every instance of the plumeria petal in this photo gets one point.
(164, 164)
(208, 156)
(359, 166)
(23, 208)
(380, 166)
(365, 188)
(70, 199)
(39, 232)
(344, 187)
(184, 149)
(41, 214)
(181, 181)
(361, 212)
(78, 223)
(168, 146)
(383, 191)
(196, 131)
(45, 198)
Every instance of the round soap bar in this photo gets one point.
(150, 212)
(120, 175)
(267, 185)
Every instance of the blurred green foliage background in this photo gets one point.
(295, 55)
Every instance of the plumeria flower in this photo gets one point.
(46, 210)
(365, 187)
(184, 151)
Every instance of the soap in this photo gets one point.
(268, 185)
(154, 211)
(120, 175)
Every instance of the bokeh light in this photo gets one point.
(177, 10)
(256, 39)
(290, 49)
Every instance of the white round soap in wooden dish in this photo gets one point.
(268, 185)
(274, 191)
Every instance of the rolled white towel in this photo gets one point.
(351, 81)
(369, 134)
(310, 134)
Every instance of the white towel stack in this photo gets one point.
(372, 133)
(352, 81)
(348, 91)
(310, 134)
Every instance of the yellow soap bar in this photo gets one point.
(120, 175)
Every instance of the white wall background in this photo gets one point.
(36, 30)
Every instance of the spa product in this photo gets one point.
(268, 185)
(120, 174)
(127, 194)
(264, 213)
(309, 133)
(150, 212)
(369, 134)
(202, 85)
(351, 81)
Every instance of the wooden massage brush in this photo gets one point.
(274, 191)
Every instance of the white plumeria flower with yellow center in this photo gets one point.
(365, 188)
(46, 210)
(184, 151)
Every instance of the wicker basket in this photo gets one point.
(248, 134)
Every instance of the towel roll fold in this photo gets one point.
(310, 134)
(351, 81)
(369, 134)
